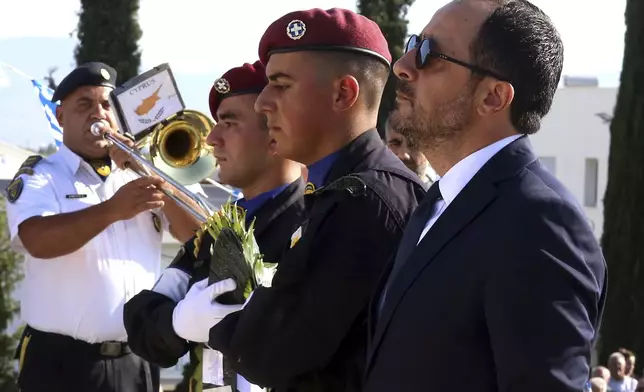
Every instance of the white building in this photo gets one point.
(574, 143)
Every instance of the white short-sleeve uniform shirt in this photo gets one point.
(82, 294)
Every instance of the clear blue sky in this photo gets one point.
(201, 39)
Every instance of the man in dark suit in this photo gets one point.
(498, 283)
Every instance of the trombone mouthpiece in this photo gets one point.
(96, 128)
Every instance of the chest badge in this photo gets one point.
(157, 222)
(296, 236)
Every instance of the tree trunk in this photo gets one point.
(623, 238)
(109, 32)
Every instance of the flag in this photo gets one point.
(45, 94)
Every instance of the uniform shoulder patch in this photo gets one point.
(350, 183)
(28, 165)
(14, 189)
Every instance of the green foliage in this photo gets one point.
(623, 208)
(391, 16)
(10, 275)
(51, 82)
(109, 32)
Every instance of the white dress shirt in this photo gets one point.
(82, 294)
(456, 178)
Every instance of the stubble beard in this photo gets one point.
(428, 130)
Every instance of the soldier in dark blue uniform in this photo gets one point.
(308, 332)
(273, 191)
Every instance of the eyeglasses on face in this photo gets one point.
(425, 52)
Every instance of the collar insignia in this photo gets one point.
(309, 188)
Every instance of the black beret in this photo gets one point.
(89, 74)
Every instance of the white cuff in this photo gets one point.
(173, 283)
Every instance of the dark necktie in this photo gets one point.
(412, 233)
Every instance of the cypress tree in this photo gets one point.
(108, 31)
(623, 208)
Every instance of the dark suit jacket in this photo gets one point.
(504, 293)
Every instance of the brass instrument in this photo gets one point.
(178, 147)
(177, 152)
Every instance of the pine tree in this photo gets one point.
(391, 16)
(623, 208)
(10, 275)
(109, 32)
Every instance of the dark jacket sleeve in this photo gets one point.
(320, 293)
(148, 322)
(148, 315)
(544, 300)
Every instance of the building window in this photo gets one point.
(590, 182)
(550, 163)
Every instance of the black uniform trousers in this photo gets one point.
(55, 363)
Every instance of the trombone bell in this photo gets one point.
(177, 146)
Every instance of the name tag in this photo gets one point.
(75, 196)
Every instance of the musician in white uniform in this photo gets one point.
(91, 235)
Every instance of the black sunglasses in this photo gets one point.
(425, 52)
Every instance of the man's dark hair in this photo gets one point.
(519, 42)
(371, 73)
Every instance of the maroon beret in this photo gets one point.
(247, 79)
(316, 29)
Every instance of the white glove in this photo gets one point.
(198, 311)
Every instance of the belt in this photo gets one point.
(64, 342)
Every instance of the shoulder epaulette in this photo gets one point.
(28, 165)
(14, 189)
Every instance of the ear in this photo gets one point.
(497, 97)
(59, 115)
(346, 92)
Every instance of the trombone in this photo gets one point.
(176, 145)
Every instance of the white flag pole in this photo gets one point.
(16, 70)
